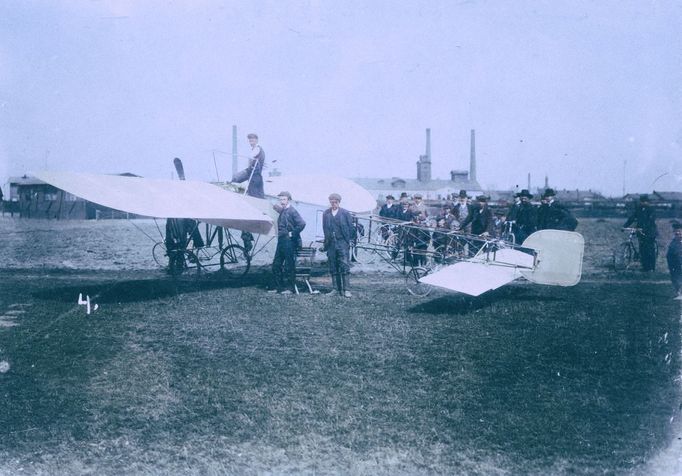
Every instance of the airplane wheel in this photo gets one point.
(413, 285)
(235, 261)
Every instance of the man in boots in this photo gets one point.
(339, 232)
(289, 228)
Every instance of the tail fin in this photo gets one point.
(559, 259)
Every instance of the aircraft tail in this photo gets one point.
(559, 259)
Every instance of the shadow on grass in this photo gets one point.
(460, 304)
(139, 290)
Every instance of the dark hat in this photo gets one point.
(403, 195)
(549, 193)
(677, 225)
(524, 193)
(284, 194)
(417, 195)
(463, 194)
(389, 196)
(644, 198)
(482, 198)
(500, 213)
(252, 136)
(335, 196)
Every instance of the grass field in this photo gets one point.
(214, 377)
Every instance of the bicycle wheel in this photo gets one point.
(623, 256)
(361, 254)
(235, 261)
(412, 283)
(208, 258)
(160, 254)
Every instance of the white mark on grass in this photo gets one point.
(6, 323)
(4, 366)
(86, 302)
(15, 312)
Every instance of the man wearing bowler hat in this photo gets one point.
(461, 210)
(289, 228)
(524, 216)
(339, 232)
(552, 215)
(645, 220)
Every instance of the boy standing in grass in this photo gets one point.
(674, 257)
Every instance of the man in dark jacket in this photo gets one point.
(481, 218)
(339, 232)
(554, 216)
(674, 258)
(289, 228)
(524, 217)
(460, 211)
(645, 220)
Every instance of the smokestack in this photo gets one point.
(428, 145)
(528, 181)
(546, 182)
(424, 162)
(472, 157)
(235, 165)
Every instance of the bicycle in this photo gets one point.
(627, 252)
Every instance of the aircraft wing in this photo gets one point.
(315, 189)
(478, 275)
(163, 198)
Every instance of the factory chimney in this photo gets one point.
(472, 157)
(424, 163)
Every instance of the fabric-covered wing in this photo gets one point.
(315, 189)
(162, 198)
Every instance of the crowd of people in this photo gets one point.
(461, 214)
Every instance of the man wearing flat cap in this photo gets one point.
(339, 232)
(674, 258)
(524, 216)
(644, 219)
(289, 228)
(554, 216)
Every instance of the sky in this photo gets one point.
(587, 93)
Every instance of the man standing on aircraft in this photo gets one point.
(524, 216)
(647, 232)
(289, 228)
(339, 232)
(554, 216)
(674, 258)
(252, 174)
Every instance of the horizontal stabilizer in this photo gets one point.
(559, 257)
(162, 198)
(481, 273)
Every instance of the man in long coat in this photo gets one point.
(674, 258)
(339, 232)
